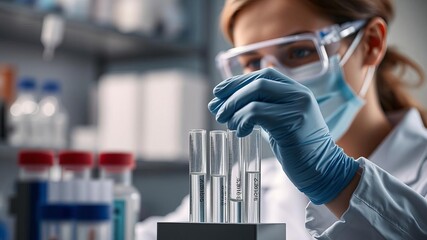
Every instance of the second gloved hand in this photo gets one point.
(298, 134)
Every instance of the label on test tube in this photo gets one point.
(253, 199)
(197, 197)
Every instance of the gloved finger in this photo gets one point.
(262, 90)
(215, 104)
(231, 85)
(280, 120)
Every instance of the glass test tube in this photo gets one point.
(197, 146)
(235, 178)
(219, 166)
(252, 155)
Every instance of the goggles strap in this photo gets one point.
(352, 48)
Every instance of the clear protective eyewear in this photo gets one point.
(300, 56)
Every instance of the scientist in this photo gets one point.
(319, 79)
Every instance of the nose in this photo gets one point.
(269, 61)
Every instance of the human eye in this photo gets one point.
(301, 53)
(251, 64)
(295, 55)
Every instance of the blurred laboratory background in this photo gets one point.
(126, 75)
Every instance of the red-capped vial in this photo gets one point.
(118, 167)
(76, 165)
(35, 165)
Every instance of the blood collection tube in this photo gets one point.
(218, 169)
(197, 148)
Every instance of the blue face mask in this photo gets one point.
(337, 101)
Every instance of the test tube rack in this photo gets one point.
(223, 231)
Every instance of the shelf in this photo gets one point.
(9, 154)
(23, 24)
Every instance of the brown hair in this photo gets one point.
(392, 69)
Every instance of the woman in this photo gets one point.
(330, 97)
(321, 111)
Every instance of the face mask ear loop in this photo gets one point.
(352, 48)
(367, 82)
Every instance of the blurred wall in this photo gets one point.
(408, 32)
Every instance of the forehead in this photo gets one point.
(267, 19)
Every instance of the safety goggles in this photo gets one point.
(299, 56)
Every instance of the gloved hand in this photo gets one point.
(298, 134)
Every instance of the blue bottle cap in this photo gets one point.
(27, 83)
(51, 86)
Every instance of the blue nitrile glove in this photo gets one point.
(298, 134)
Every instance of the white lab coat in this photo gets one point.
(390, 201)
(382, 207)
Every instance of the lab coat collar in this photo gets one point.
(405, 149)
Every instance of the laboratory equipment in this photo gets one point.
(93, 209)
(118, 166)
(75, 165)
(197, 147)
(219, 170)
(58, 214)
(52, 34)
(251, 151)
(235, 178)
(22, 113)
(31, 195)
(52, 118)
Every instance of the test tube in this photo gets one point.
(197, 147)
(235, 178)
(219, 166)
(252, 155)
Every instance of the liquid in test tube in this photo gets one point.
(219, 166)
(235, 178)
(197, 147)
(252, 155)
